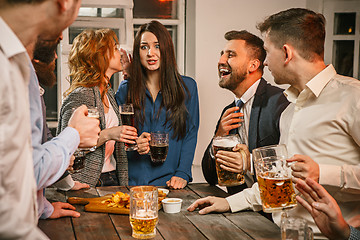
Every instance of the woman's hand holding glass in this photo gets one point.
(143, 143)
(124, 133)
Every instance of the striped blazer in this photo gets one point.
(95, 160)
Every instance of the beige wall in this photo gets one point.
(205, 37)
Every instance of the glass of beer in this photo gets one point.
(227, 143)
(143, 211)
(80, 153)
(295, 228)
(159, 145)
(128, 118)
(79, 161)
(274, 178)
(93, 112)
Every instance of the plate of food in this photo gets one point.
(118, 203)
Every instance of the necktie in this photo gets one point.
(239, 104)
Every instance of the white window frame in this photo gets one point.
(330, 8)
(180, 34)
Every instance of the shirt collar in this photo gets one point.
(315, 85)
(9, 42)
(250, 92)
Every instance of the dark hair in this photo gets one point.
(254, 44)
(45, 51)
(302, 28)
(172, 86)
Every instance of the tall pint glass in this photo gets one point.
(128, 118)
(143, 211)
(274, 178)
(227, 143)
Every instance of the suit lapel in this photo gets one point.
(255, 114)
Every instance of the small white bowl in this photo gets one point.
(172, 205)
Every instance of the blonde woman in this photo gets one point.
(93, 59)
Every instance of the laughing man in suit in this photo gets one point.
(240, 70)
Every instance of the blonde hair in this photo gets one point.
(89, 59)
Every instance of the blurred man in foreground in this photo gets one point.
(21, 23)
(51, 156)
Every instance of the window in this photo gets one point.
(113, 14)
(157, 9)
(171, 13)
(124, 17)
(343, 36)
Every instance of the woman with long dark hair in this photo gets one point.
(163, 101)
(93, 59)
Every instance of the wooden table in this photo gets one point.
(183, 225)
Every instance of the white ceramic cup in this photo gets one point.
(172, 205)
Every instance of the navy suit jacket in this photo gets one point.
(268, 104)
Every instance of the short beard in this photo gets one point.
(233, 82)
(45, 73)
(45, 51)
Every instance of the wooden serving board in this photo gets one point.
(95, 205)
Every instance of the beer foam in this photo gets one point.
(224, 143)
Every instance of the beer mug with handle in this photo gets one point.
(143, 211)
(159, 145)
(274, 178)
(227, 143)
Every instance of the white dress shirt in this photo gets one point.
(18, 211)
(248, 98)
(323, 122)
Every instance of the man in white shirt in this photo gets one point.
(322, 120)
(21, 22)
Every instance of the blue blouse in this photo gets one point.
(181, 152)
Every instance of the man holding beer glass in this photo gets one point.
(240, 70)
(321, 121)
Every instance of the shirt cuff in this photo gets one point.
(211, 151)
(71, 137)
(183, 176)
(48, 209)
(251, 165)
(65, 184)
(249, 198)
(330, 175)
(237, 202)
